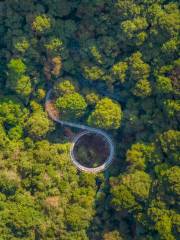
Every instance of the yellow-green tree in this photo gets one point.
(107, 114)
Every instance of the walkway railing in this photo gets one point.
(87, 130)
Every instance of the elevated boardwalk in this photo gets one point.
(54, 115)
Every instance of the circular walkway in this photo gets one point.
(86, 129)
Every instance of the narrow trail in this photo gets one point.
(86, 130)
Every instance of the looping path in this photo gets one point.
(87, 130)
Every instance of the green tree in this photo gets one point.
(64, 87)
(71, 105)
(23, 86)
(12, 112)
(22, 45)
(127, 9)
(15, 132)
(93, 73)
(161, 218)
(139, 155)
(55, 45)
(41, 23)
(142, 88)
(3, 137)
(164, 84)
(126, 50)
(38, 124)
(41, 94)
(133, 30)
(164, 228)
(163, 20)
(74, 217)
(172, 108)
(96, 54)
(169, 143)
(113, 235)
(138, 183)
(122, 198)
(172, 180)
(92, 98)
(17, 81)
(20, 217)
(9, 182)
(16, 68)
(170, 47)
(137, 68)
(107, 114)
(119, 71)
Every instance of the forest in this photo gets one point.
(113, 65)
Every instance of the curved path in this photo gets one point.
(77, 137)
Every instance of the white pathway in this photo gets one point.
(86, 131)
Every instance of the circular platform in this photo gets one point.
(49, 106)
(103, 166)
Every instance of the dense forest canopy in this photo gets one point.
(113, 65)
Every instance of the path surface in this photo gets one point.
(86, 130)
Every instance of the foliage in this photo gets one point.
(172, 178)
(16, 67)
(123, 199)
(138, 69)
(119, 70)
(114, 235)
(41, 23)
(72, 104)
(92, 98)
(113, 65)
(107, 114)
(142, 88)
(164, 85)
(54, 45)
(139, 155)
(38, 124)
(22, 45)
(12, 112)
(93, 73)
(172, 108)
(23, 86)
(64, 87)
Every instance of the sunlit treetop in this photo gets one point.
(16, 67)
(71, 105)
(41, 23)
(22, 45)
(54, 45)
(64, 87)
(107, 114)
